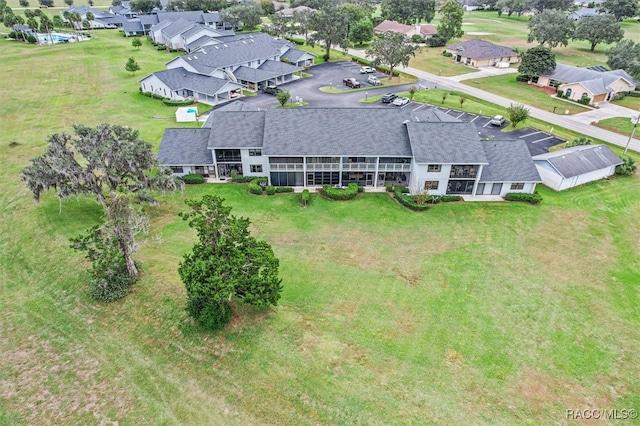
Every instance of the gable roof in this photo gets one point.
(209, 58)
(177, 27)
(237, 129)
(509, 161)
(570, 74)
(579, 160)
(336, 131)
(184, 147)
(179, 78)
(288, 12)
(481, 49)
(440, 142)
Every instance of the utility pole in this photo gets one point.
(635, 125)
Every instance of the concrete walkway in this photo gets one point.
(573, 122)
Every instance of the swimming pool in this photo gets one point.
(57, 38)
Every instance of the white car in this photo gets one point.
(373, 80)
(400, 101)
(366, 70)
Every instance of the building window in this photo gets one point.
(431, 185)
(517, 186)
(255, 152)
(434, 168)
(255, 168)
(177, 169)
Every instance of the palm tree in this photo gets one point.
(90, 17)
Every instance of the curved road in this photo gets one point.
(573, 122)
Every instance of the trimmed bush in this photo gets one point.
(282, 189)
(560, 94)
(297, 41)
(634, 94)
(348, 193)
(271, 190)
(254, 186)
(522, 78)
(192, 179)
(523, 197)
(450, 198)
(111, 284)
(436, 41)
(171, 102)
(305, 197)
(447, 54)
(585, 100)
(407, 200)
(417, 38)
(235, 177)
(389, 187)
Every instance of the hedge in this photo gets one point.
(297, 41)
(271, 190)
(524, 197)
(235, 177)
(634, 94)
(192, 179)
(281, 189)
(349, 193)
(522, 78)
(407, 200)
(171, 102)
(151, 94)
(382, 68)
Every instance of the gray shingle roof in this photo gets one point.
(336, 131)
(296, 55)
(481, 49)
(132, 26)
(442, 143)
(582, 159)
(233, 129)
(185, 147)
(179, 78)
(177, 27)
(210, 58)
(278, 67)
(253, 74)
(433, 115)
(148, 19)
(192, 15)
(509, 161)
(570, 74)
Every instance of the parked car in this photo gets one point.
(389, 97)
(498, 120)
(400, 101)
(272, 90)
(366, 70)
(351, 82)
(373, 80)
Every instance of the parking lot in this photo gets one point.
(332, 74)
(537, 141)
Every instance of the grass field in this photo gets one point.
(506, 85)
(621, 125)
(469, 313)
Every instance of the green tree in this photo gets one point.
(551, 27)
(110, 246)
(283, 96)
(89, 17)
(245, 14)
(144, 6)
(361, 31)
(627, 168)
(136, 43)
(412, 92)
(537, 60)
(46, 25)
(116, 2)
(302, 20)
(579, 141)
(24, 3)
(621, 8)
(329, 26)
(268, 8)
(46, 3)
(68, 2)
(33, 24)
(599, 29)
(131, 65)
(513, 6)
(102, 162)
(57, 21)
(517, 113)
(450, 25)
(408, 11)
(542, 5)
(75, 19)
(225, 263)
(280, 25)
(391, 49)
(625, 55)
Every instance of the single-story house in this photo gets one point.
(425, 30)
(288, 12)
(368, 146)
(584, 12)
(596, 83)
(469, 5)
(480, 53)
(566, 168)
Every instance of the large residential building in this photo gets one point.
(425, 150)
(481, 53)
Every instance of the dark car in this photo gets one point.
(351, 82)
(387, 98)
(272, 90)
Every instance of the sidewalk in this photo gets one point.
(574, 122)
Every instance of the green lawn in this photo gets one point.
(629, 102)
(506, 85)
(621, 125)
(468, 313)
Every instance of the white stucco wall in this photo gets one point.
(248, 161)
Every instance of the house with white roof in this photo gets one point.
(427, 151)
(570, 167)
(596, 83)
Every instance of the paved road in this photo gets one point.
(575, 122)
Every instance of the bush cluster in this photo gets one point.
(192, 179)
(282, 189)
(271, 190)
(348, 193)
(151, 95)
(524, 197)
(634, 94)
(447, 54)
(407, 200)
(436, 41)
(522, 78)
(297, 41)
(254, 186)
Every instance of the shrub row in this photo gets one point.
(435, 41)
(297, 41)
(281, 189)
(151, 94)
(524, 197)
(171, 102)
(634, 94)
(235, 177)
(254, 185)
(192, 179)
(349, 193)
(407, 200)
(522, 78)
(382, 68)
(271, 190)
